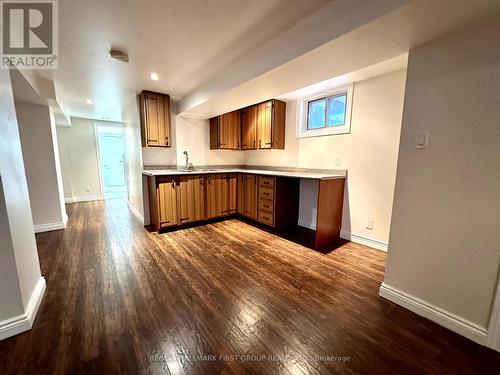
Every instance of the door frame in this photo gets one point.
(110, 129)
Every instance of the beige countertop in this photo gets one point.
(327, 175)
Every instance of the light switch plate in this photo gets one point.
(422, 139)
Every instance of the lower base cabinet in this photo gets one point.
(167, 202)
(191, 199)
(272, 201)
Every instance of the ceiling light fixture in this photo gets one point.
(119, 55)
(88, 101)
(154, 76)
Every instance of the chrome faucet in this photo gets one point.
(189, 165)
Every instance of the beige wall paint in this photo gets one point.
(445, 243)
(369, 153)
(41, 161)
(19, 268)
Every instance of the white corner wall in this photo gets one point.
(41, 161)
(133, 158)
(444, 252)
(21, 284)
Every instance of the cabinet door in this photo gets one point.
(230, 130)
(264, 124)
(221, 195)
(249, 128)
(232, 183)
(155, 110)
(191, 199)
(217, 195)
(164, 117)
(199, 197)
(225, 131)
(214, 133)
(236, 130)
(167, 201)
(251, 196)
(241, 193)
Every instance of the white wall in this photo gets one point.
(19, 265)
(133, 156)
(41, 161)
(193, 135)
(79, 159)
(445, 243)
(369, 153)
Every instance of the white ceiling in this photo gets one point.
(216, 55)
(184, 42)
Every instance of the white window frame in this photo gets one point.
(302, 114)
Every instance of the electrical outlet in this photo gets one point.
(338, 161)
(87, 189)
(369, 225)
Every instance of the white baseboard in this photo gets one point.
(39, 228)
(84, 198)
(24, 322)
(442, 317)
(376, 244)
(136, 213)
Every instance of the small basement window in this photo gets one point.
(326, 114)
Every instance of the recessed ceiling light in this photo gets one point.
(154, 76)
(88, 101)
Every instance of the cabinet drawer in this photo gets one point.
(266, 205)
(266, 218)
(266, 181)
(266, 192)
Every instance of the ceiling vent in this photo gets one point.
(119, 55)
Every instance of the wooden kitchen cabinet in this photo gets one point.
(225, 131)
(249, 128)
(167, 201)
(250, 196)
(191, 199)
(260, 126)
(271, 124)
(232, 186)
(278, 201)
(154, 111)
(217, 196)
(241, 193)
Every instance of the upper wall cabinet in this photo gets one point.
(271, 124)
(249, 117)
(225, 131)
(261, 126)
(155, 119)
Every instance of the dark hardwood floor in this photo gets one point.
(224, 298)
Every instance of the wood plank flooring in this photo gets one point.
(224, 298)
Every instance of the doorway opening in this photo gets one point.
(111, 161)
